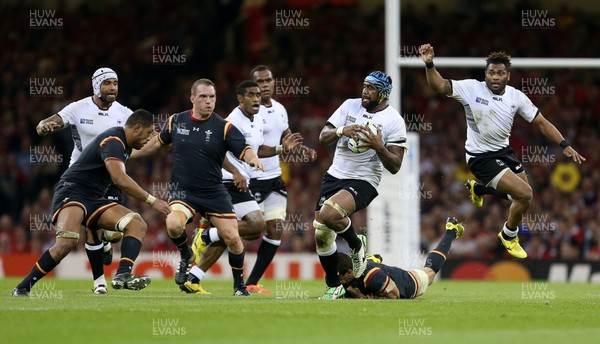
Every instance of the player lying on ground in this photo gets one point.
(381, 281)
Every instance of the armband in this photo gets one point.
(564, 144)
(340, 131)
(429, 64)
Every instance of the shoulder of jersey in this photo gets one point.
(121, 106)
(234, 114)
(277, 104)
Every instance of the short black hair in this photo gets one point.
(498, 57)
(242, 87)
(141, 116)
(259, 68)
(344, 263)
(203, 81)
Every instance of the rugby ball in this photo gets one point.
(355, 146)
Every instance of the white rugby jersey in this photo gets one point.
(275, 122)
(490, 116)
(364, 166)
(253, 132)
(87, 121)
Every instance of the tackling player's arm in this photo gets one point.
(356, 293)
(434, 79)
(125, 183)
(238, 179)
(549, 131)
(330, 134)
(149, 148)
(50, 124)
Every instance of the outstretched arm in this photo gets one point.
(125, 183)
(238, 179)
(148, 149)
(434, 79)
(252, 159)
(549, 131)
(50, 124)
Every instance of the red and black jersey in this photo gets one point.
(377, 278)
(199, 147)
(89, 169)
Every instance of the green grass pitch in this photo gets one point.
(66, 311)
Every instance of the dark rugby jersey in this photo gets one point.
(199, 147)
(377, 278)
(89, 170)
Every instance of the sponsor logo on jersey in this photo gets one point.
(86, 121)
(500, 162)
(499, 99)
(181, 131)
(482, 101)
(102, 113)
(350, 119)
(196, 129)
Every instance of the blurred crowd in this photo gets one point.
(326, 56)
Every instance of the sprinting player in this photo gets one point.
(490, 109)
(268, 187)
(380, 281)
(200, 138)
(88, 118)
(236, 176)
(80, 200)
(350, 183)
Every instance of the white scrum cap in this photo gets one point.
(99, 76)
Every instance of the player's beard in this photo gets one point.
(370, 105)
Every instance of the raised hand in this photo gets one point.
(426, 51)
